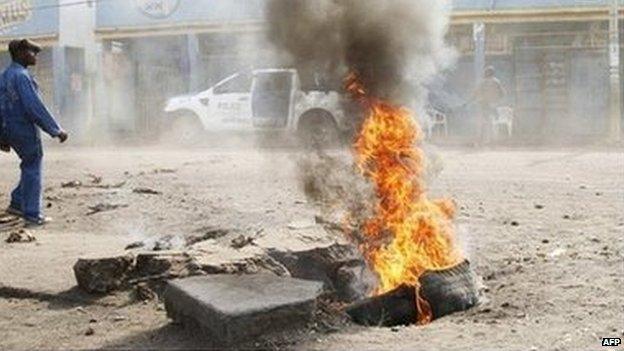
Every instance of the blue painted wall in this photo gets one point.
(22, 18)
(139, 13)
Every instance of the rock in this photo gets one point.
(146, 191)
(241, 241)
(119, 318)
(71, 184)
(557, 252)
(171, 264)
(20, 236)
(104, 274)
(90, 331)
(135, 245)
(6, 218)
(545, 241)
(339, 266)
(515, 223)
(106, 186)
(164, 171)
(95, 179)
(539, 207)
(104, 207)
(164, 243)
(144, 293)
(232, 309)
(206, 234)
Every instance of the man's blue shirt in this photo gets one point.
(22, 109)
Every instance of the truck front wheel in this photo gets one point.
(319, 130)
(183, 129)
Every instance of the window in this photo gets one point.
(239, 84)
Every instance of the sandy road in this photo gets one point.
(543, 227)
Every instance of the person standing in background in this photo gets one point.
(489, 96)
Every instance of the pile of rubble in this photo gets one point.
(242, 292)
(338, 266)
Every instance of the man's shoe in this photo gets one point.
(14, 212)
(36, 222)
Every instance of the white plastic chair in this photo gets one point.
(504, 117)
(437, 119)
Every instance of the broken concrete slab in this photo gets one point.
(213, 258)
(316, 263)
(339, 266)
(102, 275)
(249, 265)
(232, 309)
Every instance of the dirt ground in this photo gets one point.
(543, 228)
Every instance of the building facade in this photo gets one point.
(154, 49)
(551, 55)
(113, 64)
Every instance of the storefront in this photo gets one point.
(551, 58)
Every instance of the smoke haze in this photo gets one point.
(394, 45)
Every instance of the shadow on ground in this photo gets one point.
(169, 337)
(67, 299)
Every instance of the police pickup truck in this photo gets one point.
(266, 99)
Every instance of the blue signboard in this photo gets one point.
(24, 18)
(141, 13)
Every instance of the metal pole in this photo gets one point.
(478, 33)
(614, 64)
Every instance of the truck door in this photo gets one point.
(271, 99)
(231, 103)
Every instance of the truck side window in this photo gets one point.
(239, 84)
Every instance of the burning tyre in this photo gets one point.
(446, 292)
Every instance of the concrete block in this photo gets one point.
(231, 309)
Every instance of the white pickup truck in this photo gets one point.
(267, 99)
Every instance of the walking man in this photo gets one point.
(22, 114)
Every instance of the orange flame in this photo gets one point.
(408, 233)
